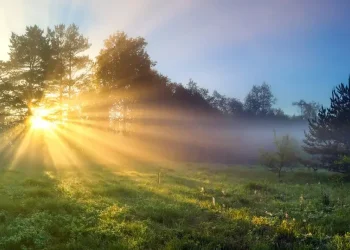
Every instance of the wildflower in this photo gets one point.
(202, 190)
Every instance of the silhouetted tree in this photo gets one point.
(328, 137)
(123, 68)
(69, 68)
(220, 102)
(191, 97)
(234, 107)
(29, 57)
(308, 111)
(259, 100)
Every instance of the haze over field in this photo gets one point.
(188, 124)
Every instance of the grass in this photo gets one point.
(124, 207)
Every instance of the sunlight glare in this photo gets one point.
(38, 121)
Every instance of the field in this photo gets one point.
(190, 206)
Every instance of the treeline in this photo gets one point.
(49, 71)
(52, 69)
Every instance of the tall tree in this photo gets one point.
(123, 62)
(29, 56)
(69, 67)
(328, 137)
(68, 44)
(259, 100)
(123, 67)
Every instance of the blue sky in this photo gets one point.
(301, 48)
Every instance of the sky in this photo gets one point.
(300, 48)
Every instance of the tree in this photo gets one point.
(220, 102)
(234, 107)
(194, 98)
(13, 108)
(123, 62)
(123, 69)
(27, 68)
(328, 137)
(259, 100)
(278, 113)
(69, 68)
(284, 156)
(308, 111)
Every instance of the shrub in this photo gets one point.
(284, 156)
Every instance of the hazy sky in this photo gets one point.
(301, 48)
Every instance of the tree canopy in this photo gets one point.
(49, 74)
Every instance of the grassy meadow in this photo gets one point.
(192, 206)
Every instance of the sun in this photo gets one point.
(39, 123)
(38, 120)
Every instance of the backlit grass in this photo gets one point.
(124, 207)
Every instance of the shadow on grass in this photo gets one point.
(106, 207)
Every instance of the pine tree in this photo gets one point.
(329, 134)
